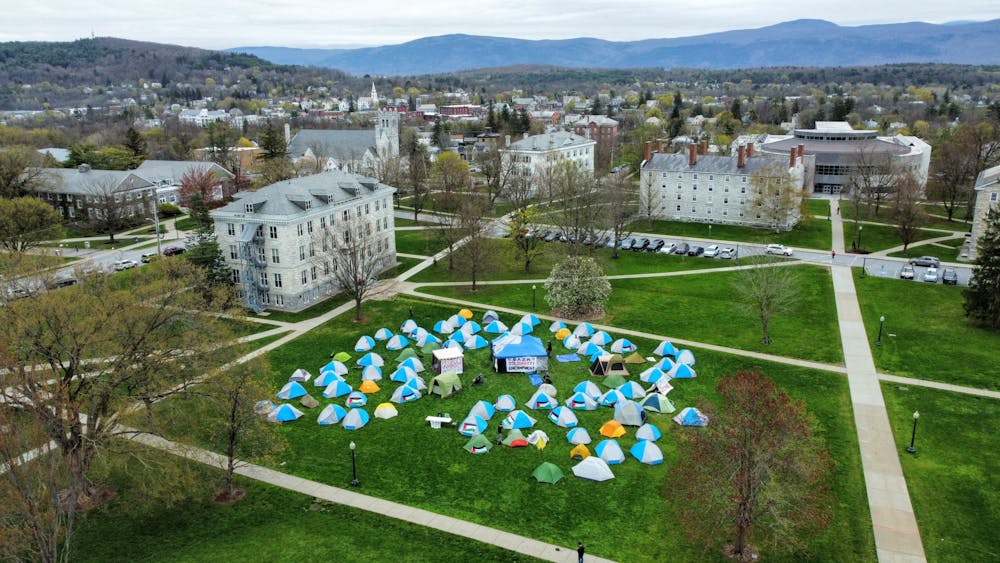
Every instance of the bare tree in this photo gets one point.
(619, 199)
(320, 155)
(872, 178)
(579, 203)
(906, 210)
(526, 244)
(476, 249)
(766, 290)
(450, 179)
(109, 212)
(352, 254)
(499, 172)
(520, 191)
(648, 198)
(776, 198)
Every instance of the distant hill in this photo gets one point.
(816, 43)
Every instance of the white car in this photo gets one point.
(931, 275)
(711, 251)
(667, 248)
(125, 265)
(779, 249)
(727, 253)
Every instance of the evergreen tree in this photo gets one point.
(736, 109)
(272, 142)
(491, 118)
(136, 143)
(982, 298)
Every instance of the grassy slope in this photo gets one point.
(425, 242)
(946, 250)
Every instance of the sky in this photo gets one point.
(215, 24)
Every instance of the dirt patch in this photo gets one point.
(222, 497)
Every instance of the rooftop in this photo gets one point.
(549, 141)
(709, 164)
(299, 195)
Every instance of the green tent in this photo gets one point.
(635, 358)
(478, 444)
(406, 353)
(430, 347)
(613, 381)
(342, 357)
(445, 385)
(547, 473)
(515, 439)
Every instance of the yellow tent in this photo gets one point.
(385, 410)
(465, 314)
(612, 429)
(580, 452)
(563, 333)
(368, 386)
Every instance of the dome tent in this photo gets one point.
(647, 452)
(593, 468)
(331, 414)
(610, 451)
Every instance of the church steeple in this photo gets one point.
(374, 97)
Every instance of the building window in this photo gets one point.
(231, 229)
(273, 231)
(312, 249)
(743, 189)
(232, 252)
(248, 208)
(994, 197)
(277, 280)
(347, 214)
(678, 197)
(260, 256)
(326, 268)
(678, 208)
(309, 225)
(234, 275)
(279, 299)
(322, 222)
(366, 209)
(312, 273)
(744, 179)
(299, 229)
(305, 277)
(302, 252)
(263, 279)
(274, 256)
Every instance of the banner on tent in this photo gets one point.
(526, 364)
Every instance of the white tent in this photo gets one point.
(593, 468)
(300, 375)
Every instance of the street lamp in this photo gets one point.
(864, 266)
(534, 290)
(913, 436)
(860, 228)
(354, 467)
(881, 321)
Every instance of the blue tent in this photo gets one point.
(590, 349)
(471, 327)
(371, 359)
(518, 347)
(284, 413)
(571, 342)
(337, 389)
(404, 394)
(578, 436)
(490, 316)
(495, 327)
(326, 378)
(556, 326)
(373, 373)
(457, 321)
(443, 327)
(402, 374)
(531, 319)
(665, 348)
(476, 342)
(505, 403)
(364, 344)
(691, 416)
(541, 401)
(665, 365)
(416, 383)
(584, 330)
(590, 388)
(601, 338)
(521, 328)
(332, 414)
(683, 371)
(658, 403)
(336, 367)
(581, 401)
(651, 375)
(355, 419)
(483, 410)
(518, 419)
(356, 399)
(412, 363)
(292, 390)
(647, 452)
(610, 452)
(458, 336)
(648, 432)
(408, 326)
(632, 390)
(685, 357)
(383, 334)
(397, 342)
(472, 425)
(612, 398)
(564, 417)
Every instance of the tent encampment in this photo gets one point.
(647, 452)
(581, 401)
(355, 419)
(284, 413)
(612, 429)
(386, 411)
(578, 435)
(630, 413)
(519, 354)
(541, 401)
(593, 468)
(648, 432)
(331, 414)
(505, 403)
(478, 444)
(404, 394)
(610, 364)
(564, 417)
(448, 360)
(472, 425)
(690, 416)
(547, 473)
(292, 390)
(610, 451)
(444, 385)
(517, 419)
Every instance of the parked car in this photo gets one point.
(930, 261)
(668, 248)
(174, 250)
(61, 282)
(643, 244)
(125, 265)
(727, 253)
(627, 244)
(553, 235)
(148, 257)
(906, 273)
(711, 251)
(681, 248)
(660, 243)
(696, 250)
(779, 249)
(949, 276)
(931, 275)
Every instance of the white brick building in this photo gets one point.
(540, 151)
(270, 243)
(987, 193)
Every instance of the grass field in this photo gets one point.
(931, 222)
(953, 480)
(810, 233)
(945, 250)
(424, 243)
(879, 237)
(818, 207)
(400, 222)
(926, 333)
(700, 308)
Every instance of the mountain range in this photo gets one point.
(816, 43)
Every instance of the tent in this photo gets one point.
(578, 435)
(505, 403)
(583, 330)
(634, 358)
(580, 451)
(571, 342)
(300, 375)
(658, 402)
(517, 419)
(412, 363)
(444, 385)
(610, 364)
(465, 314)
(651, 375)
(337, 389)
(530, 319)
(564, 417)
(385, 411)
(521, 328)
(648, 432)
(456, 321)
(402, 374)
(342, 357)
(541, 401)
(490, 316)
(613, 381)
(419, 334)
(415, 382)
(495, 327)
(556, 326)
(665, 348)
(590, 349)
(263, 407)
(476, 342)
(368, 387)
(423, 339)
(472, 425)
(612, 429)
(292, 390)
(397, 342)
(408, 326)
(610, 451)
(458, 337)
(612, 398)
(383, 334)
(478, 444)
(519, 354)
(483, 410)
(326, 378)
(355, 419)
(284, 413)
(622, 346)
(593, 468)
(547, 473)
(404, 394)
(663, 385)
(336, 366)
(581, 401)
(538, 439)
(630, 413)
(429, 347)
(690, 416)
(405, 354)
(632, 390)
(443, 327)
(684, 357)
(666, 365)
(371, 359)
(515, 439)
(647, 452)
(371, 373)
(364, 344)
(448, 360)
(683, 371)
(356, 399)
(601, 338)
(470, 328)
(588, 387)
(548, 389)
(332, 414)
(562, 333)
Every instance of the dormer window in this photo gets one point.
(248, 207)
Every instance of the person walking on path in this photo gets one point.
(833, 255)
(580, 550)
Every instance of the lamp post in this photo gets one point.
(860, 228)
(534, 290)
(913, 436)
(354, 467)
(881, 321)
(864, 266)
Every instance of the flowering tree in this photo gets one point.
(577, 288)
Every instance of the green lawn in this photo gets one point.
(403, 460)
(946, 250)
(847, 212)
(926, 334)
(818, 207)
(400, 222)
(307, 313)
(879, 237)
(700, 308)
(184, 224)
(425, 243)
(952, 479)
(810, 233)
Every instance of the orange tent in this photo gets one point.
(368, 386)
(580, 452)
(612, 429)
(563, 333)
(465, 314)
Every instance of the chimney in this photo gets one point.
(792, 153)
(739, 157)
(83, 168)
(749, 150)
(506, 140)
(525, 134)
(659, 146)
(288, 133)
(649, 150)
(802, 151)
(703, 150)
(692, 155)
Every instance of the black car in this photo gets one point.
(682, 248)
(659, 244)
(696, 251)
(640, 244)
(949, 277)
(174, 250)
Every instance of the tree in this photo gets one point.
(766, 290)
(619, 198)
(957, 159)
(982, 297)
(757, 474)
(136, 144)
(648, 200)
(577, 289)
(274, 164)
(577, 215)
(872, 178)
(906, 210)
(198, 180)
(497, 170)
(26, 221)
(776, 198)
(526, 244)
(203, 249)
(476, 249)
(417, 166)
(353, 255)
(20, 171)
(107, 207)
(449, 176)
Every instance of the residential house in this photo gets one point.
(987, 192)
(82, 193)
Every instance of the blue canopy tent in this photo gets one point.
(519, 354)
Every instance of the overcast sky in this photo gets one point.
(314, 23)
